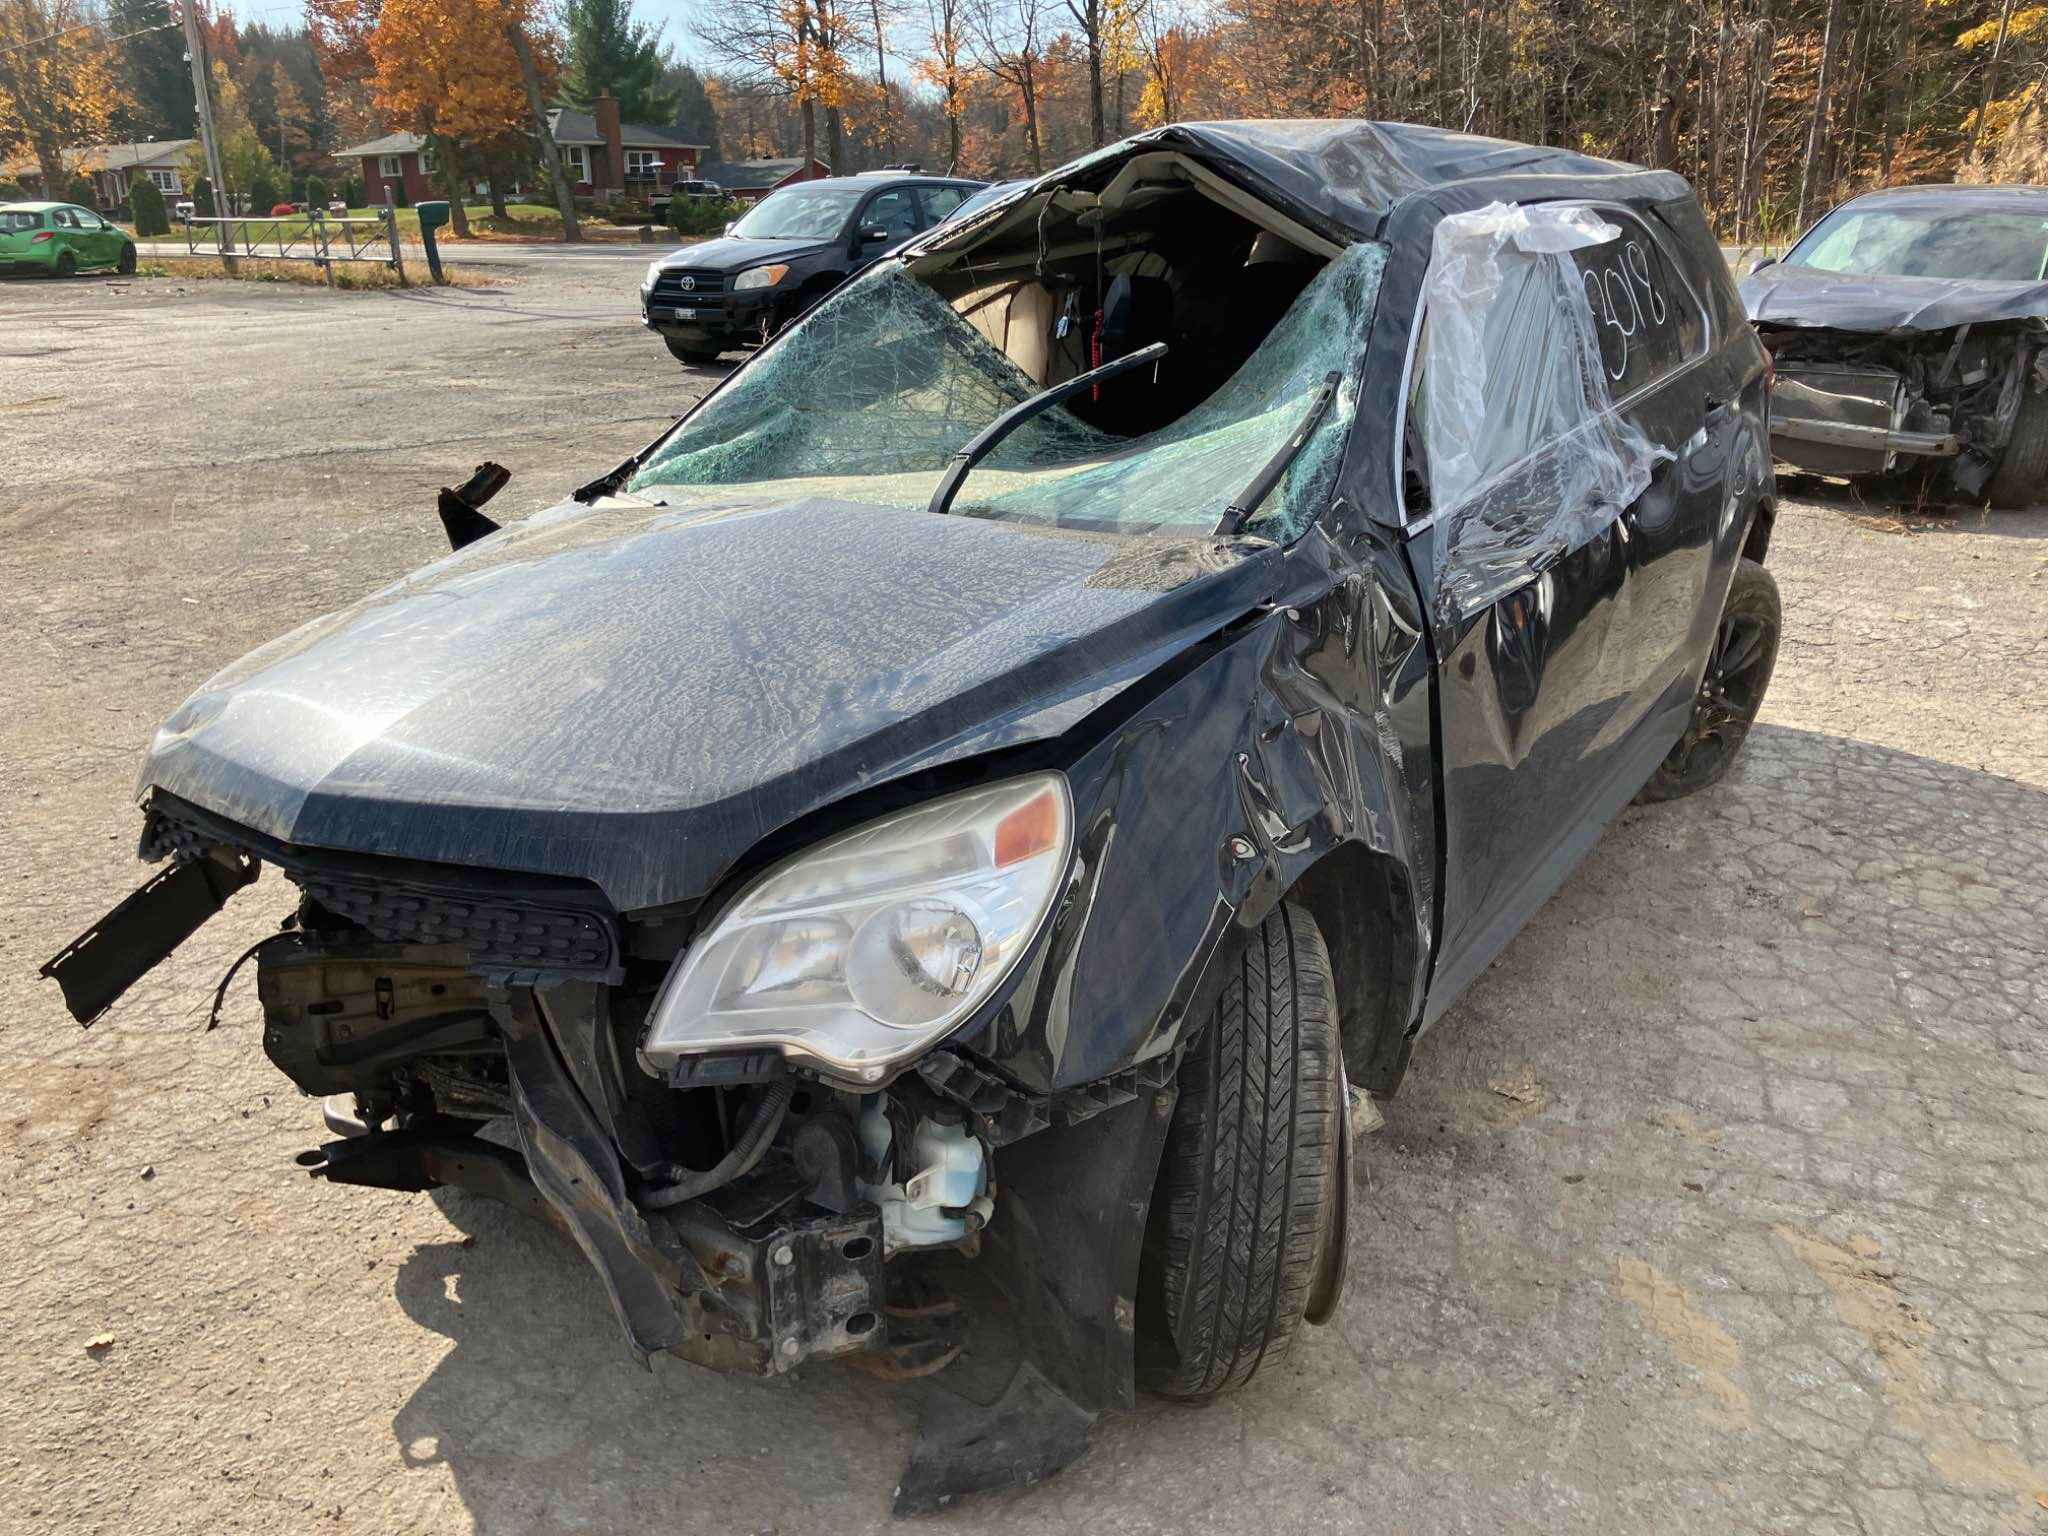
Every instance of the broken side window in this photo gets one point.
(1526, 458)
(874, 391)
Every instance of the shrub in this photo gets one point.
(202, 199)
(352, 192)
(81, 192)
(702, 215)
(399, 195)
(147, 204)
(262, 190)
(316, 192)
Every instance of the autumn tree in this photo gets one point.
(947, 68)
(244, 158)
(1007, 39)
(59, 82)
(445, 69)
(290, 113)
(796, 50)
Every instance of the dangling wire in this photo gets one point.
(220, 993)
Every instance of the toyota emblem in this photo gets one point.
(687, 283)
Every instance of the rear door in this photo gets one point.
(939, 202)
(1562, 596)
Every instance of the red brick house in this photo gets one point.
(604, 157)
(396, 160)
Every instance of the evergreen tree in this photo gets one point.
(610, 51)
(157, 99)
(696, 118)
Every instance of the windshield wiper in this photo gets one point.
(1246, 502)
(1017, 415)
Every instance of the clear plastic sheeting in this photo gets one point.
(880, 386)
(1527, 457)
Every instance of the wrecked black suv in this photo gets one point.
(998, 772)
(1910, 330)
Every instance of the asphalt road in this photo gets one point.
(1715, 1206)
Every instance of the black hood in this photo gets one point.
(1808, 298)
(730, 255)
(635, 695)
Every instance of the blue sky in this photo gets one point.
(679, 16)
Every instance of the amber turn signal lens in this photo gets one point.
(1031, 828)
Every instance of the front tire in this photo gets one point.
(126, 265)
(696, 357)
(1248, 1202)
(1731, 691)
(2022, 476)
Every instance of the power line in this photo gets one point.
(36, 42)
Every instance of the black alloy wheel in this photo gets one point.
(1731, 690)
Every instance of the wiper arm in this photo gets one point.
(1246, 502)
(1017, 415)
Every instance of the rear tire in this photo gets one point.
(1738, 672)
(67, 264)
(126, 265)
(2022, 476)
(696, 357)
(1248, 1203)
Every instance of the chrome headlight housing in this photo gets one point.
(761, 277)
(866, 950)
(653, 272)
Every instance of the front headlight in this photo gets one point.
(865, 950)
(761, 277)
(653, 272)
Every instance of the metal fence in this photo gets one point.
(313, 236)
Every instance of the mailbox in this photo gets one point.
(432, 216)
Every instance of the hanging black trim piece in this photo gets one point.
(461, 518)
(107, 959)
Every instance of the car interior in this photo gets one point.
(1068, 279)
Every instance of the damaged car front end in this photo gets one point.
(1909, 330)
(1004, 771)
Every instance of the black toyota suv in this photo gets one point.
(794, 247)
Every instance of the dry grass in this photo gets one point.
(254, 269)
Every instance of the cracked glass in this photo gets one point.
(875, 390)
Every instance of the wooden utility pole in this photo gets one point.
(565, 195)
(202, 92)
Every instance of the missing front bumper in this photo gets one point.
(759, 1301)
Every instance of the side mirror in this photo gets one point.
(870, 236)
(1760, 263)
(728, 227)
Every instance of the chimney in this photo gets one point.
(606, 109)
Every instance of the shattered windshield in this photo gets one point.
(1986, 245)
(799, 213)
(875, 390)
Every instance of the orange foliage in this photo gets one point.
(447, 67)
(59, 93)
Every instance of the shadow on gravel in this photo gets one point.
(1825, 872)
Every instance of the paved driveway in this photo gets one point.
(1717, 1205)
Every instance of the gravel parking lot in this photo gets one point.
(1716, 1205)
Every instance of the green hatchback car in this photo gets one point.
(58, 239)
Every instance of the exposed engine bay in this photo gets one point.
(1934, 409)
